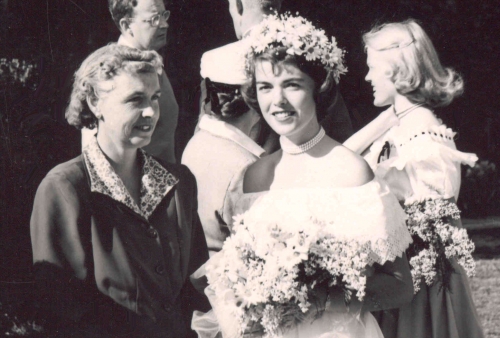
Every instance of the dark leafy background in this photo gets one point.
(57, 35)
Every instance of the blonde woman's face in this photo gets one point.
(379, 76)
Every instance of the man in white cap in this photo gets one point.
(143, 25)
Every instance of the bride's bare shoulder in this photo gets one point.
(260, 175)
(349, 168)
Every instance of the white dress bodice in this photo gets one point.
(368, 213)
(419, 162)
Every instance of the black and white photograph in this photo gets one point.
(250, 168)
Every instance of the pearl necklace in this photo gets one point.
(293, 149)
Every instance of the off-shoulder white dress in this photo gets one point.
(422, 162)
(369, 213)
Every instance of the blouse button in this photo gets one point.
(152, 232)
(160, 269)
(167, 307)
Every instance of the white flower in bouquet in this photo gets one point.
(436, 241)
(272, 268)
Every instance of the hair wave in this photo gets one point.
(417, 72)
(101, 66)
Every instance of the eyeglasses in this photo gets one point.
(155, 19)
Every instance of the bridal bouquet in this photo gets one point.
(268, 273)
(436, 241)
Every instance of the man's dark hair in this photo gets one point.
(120, 9)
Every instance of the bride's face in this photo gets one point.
(286, 99)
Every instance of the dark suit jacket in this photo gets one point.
(102, 270)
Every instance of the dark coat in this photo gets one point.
(102, 270)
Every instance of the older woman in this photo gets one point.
(115, 233)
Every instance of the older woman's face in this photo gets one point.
(286, 99)
(130, 110)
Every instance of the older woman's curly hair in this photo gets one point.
(100, 67)
(417, 72)
(325, 87)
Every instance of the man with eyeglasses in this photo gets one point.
(143, 25)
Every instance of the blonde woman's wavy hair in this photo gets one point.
(95, 73)
(417, 72)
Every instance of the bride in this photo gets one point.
(293, 69)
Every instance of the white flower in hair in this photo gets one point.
(313, 52)
(300, 37)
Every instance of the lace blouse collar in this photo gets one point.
(156, 181)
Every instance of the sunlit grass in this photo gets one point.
(485, 288)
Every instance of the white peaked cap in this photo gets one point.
(225, 64)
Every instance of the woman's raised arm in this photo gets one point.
(362, 139)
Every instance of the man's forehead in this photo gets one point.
(149, 6)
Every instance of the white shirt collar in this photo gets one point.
(227, 131)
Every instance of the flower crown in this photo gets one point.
(300, 37)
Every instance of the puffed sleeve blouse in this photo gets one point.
(419, 162)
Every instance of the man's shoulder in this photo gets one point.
(206, 147)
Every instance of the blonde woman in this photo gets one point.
(414, 152)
